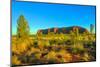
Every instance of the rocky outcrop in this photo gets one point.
(63, 30)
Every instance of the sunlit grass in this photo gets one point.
(48, 49)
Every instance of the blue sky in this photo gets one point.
(43, 15)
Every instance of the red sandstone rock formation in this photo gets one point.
(55, 30)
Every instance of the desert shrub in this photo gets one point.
(57, 49)
(35, 44)
(34, 57)
(14, 48)
(22, 47)
(60, 42)
(46, 43)
(49, 48)
(37, 55)
(77, 50)
(52, 42)
(15, 60)
(33, 50)
(24, 59)
(41, 44)
(86, 57)
(64, 56)
(91, 49)
(51, 55)
(68, 42)
(31, 58)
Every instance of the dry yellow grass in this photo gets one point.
(15, 60)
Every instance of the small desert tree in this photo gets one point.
(22, 28)
(23, 40)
